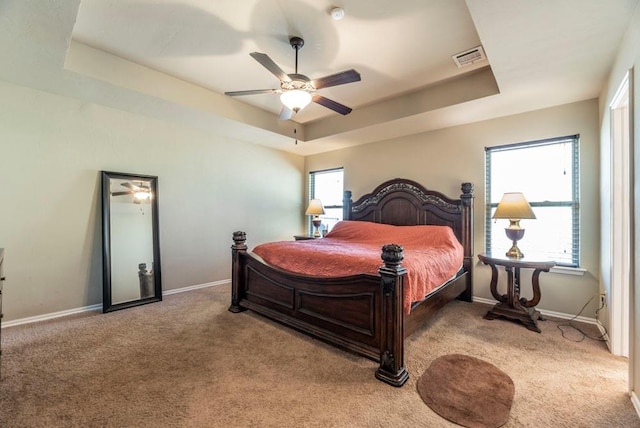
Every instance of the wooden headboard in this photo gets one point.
(404, 202)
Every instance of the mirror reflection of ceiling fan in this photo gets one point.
(297, 90)
(140, 191)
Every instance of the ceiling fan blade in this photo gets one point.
(120, 193)
(252, 92)
(330, 104)
(286, 113)
(341, 78)
(271, 66)
(131, 186)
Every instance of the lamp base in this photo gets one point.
(317, 222)
(515, 235)
(514, 252)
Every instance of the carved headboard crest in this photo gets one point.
(404, 202)
(408, 188)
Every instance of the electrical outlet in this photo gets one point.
(603, 299)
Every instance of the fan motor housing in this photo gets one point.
(298, 81)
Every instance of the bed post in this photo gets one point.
(239, 246)
(346, 205)
(467, 238)
(392, 370)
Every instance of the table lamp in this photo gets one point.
(315, 209)
(514, 207)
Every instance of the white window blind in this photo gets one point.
(328, 186)
(547, 173)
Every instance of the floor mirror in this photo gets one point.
(131, 251)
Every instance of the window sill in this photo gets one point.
(563, 270)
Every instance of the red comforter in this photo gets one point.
(432, 254)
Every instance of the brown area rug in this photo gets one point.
(467, 391)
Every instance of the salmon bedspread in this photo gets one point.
(432, 254)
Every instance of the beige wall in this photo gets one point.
(443, 159)
(628, 60)
(52, 149)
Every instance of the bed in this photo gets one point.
(362, 313)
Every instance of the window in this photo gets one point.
(328, 186)
(546, 172)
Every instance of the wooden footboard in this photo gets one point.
(359, 313)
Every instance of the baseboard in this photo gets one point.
(604, 334)
(98, 307)
(53, 315)
(636, 402)
(45, 317)
(544, 312)
(196, 287)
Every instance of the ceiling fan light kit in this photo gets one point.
(297, 90)
(140, 191)
(295, 99)
(142, 195)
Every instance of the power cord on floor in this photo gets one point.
(569, 324)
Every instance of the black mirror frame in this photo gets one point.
(107, 306)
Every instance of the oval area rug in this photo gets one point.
(467, 391)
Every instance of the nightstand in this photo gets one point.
(511, 305)
(304, 237)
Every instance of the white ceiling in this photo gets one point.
(541, 53)
(396, 49)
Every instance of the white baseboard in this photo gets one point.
(49, 316)
(196, 287)
(52, 315)
(636, 402)
(98, 307)
(543, 312)
(604, 334)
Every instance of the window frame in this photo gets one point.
(312, 175)
(574, 204)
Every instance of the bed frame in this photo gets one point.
(361, 313)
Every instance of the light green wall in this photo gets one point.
(443, 159)
(52, 149)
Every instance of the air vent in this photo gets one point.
(469, 57)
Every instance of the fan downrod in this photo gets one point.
(297, 43)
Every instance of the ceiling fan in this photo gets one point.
(140, 191)
(297, 90)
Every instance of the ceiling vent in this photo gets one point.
(469, 57)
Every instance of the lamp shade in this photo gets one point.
(315, 207)
(295, 99)
(514, 206)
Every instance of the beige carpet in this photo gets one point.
(188, 362)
